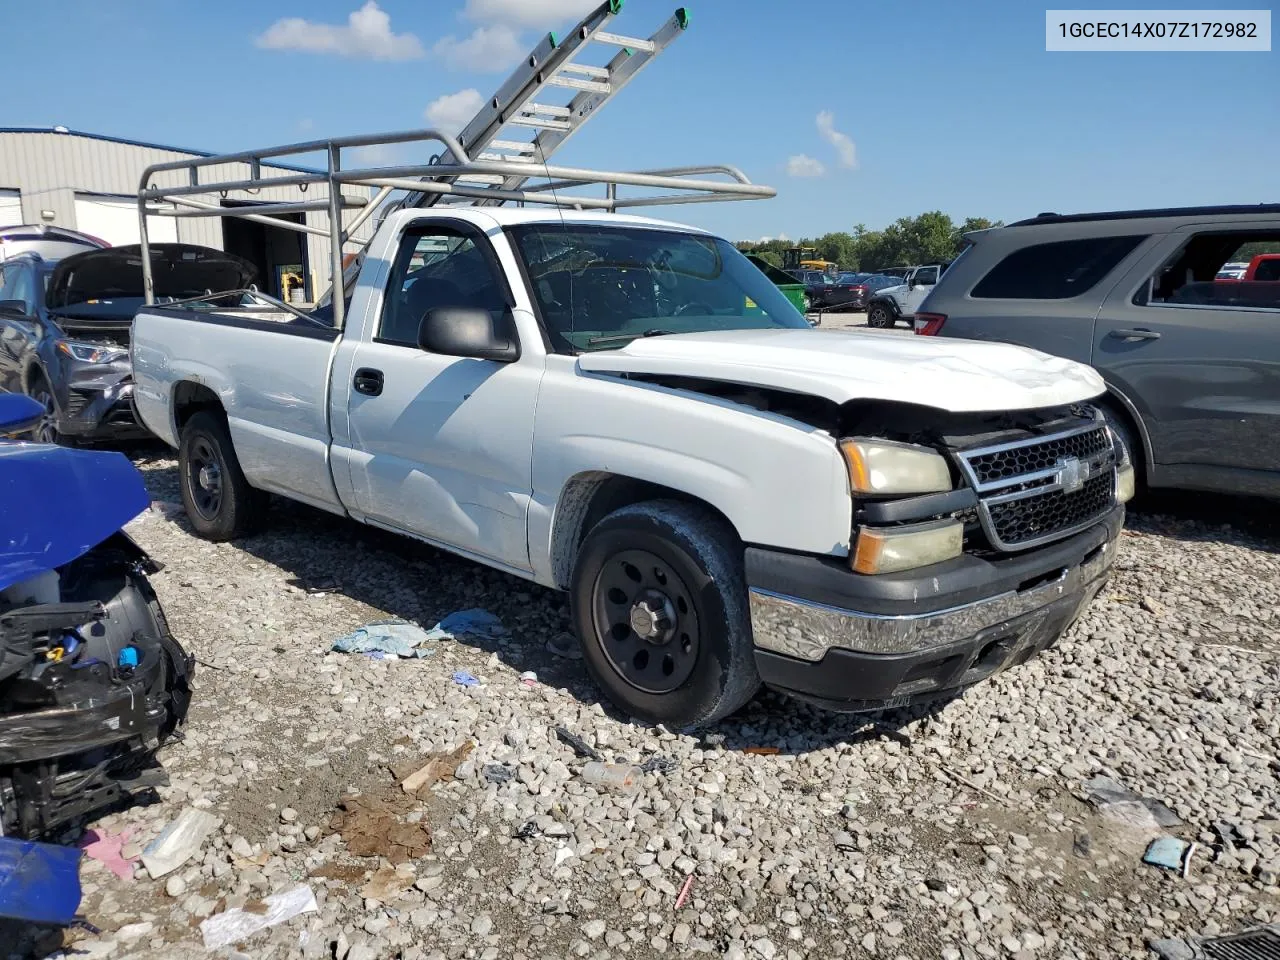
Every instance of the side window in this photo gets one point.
(436, 267)
(17, 285)
(1054, 271)
(1191, 276)
(929, 275)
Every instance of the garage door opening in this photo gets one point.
(115, 220)
(279, 254)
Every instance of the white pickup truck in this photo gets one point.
(627, 409)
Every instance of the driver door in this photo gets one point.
(441, 445)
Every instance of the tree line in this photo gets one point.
(929, 238)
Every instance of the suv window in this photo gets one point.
(1191, 276)
(17, 285)
(926, 275)
(1054, 271)
(436, 267)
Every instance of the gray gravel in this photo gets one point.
(957, 832)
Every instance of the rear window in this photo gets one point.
(1054, 271)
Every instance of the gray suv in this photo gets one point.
(1192, 362)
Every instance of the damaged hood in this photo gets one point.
(178, 270)
(961, 376)
(57, 504)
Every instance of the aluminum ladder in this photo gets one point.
(519, 103)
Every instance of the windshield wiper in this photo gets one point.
(614, 337)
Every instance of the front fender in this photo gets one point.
(780, 482)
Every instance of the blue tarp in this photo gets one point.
(39, 882)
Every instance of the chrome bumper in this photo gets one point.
(807, 630)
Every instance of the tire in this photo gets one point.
(808, 304)
(219, 501)
(692, 665)
(46, 431)
(1123, 426)
(879, 316)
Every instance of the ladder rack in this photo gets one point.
(520, 103)
(440, 179)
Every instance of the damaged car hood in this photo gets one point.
(960, 376)
(178, 270)
(57, 504)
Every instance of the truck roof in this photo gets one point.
(489, 217)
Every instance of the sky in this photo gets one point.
(855, 113)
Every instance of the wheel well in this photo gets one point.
(1119, 410)
(189, 399)
(33, 373)
(588, 498)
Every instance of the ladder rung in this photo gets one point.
(488, 179)
(574, 83)
(595, 73)
(519, 146)
(545, 110)
(507, 158)
(631, 43)
(543, 124)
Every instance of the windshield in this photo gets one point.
(598, 287)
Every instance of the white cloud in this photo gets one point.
(804, 166)
(452, 111)
(782, 236)
(528, 13)
(842, 142)
(367, 34)
(492, 48)
(379, 155)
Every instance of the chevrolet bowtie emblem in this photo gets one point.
(1072, 473)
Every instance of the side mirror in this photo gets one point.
(18, 413)
(468, 332)
(14, 306)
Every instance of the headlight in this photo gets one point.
(91, 352)
(882, 466)
(914, 545)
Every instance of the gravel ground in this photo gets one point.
(955, 832)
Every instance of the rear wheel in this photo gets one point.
(661, 611)
(879, 316)
(219, 501)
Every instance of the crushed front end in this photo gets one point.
(976, 542)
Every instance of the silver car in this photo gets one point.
(1192, 362)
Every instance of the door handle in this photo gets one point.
(1138, 333)
(368, 381)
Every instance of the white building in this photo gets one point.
(89, 183)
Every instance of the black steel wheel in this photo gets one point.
(660, 607)
(646, 614)
(219, 501)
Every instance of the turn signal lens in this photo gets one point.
(905, 548)
(1125, 484)
(883, 466)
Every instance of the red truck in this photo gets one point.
(1264, 268)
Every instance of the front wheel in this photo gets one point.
(879, 316)
(219, 501)
(46, 428)
(660, 607)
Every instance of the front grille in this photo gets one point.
(1029, 519)
(1034, 456)
(1043, 488)
(77, 400)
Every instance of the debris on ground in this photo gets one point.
(497, 773)
(388, 883)
(465, 678)
(1118, 803)
(345, 872)
(577, 744)
(238, 923)
(39, 882)
(658, 764)
(565, 646)
(370, 827)
(618, 777)
(178, 842)
(474, 624)
(684, 892)
(419, 776)
(108, 850)
(397, 638)
(1167, 852)
(762, 751)
(529, 679)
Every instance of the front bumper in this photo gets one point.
(99, 409)
(853, 643)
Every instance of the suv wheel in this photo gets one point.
(879, 316)
(661, 611)
(46, 429)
